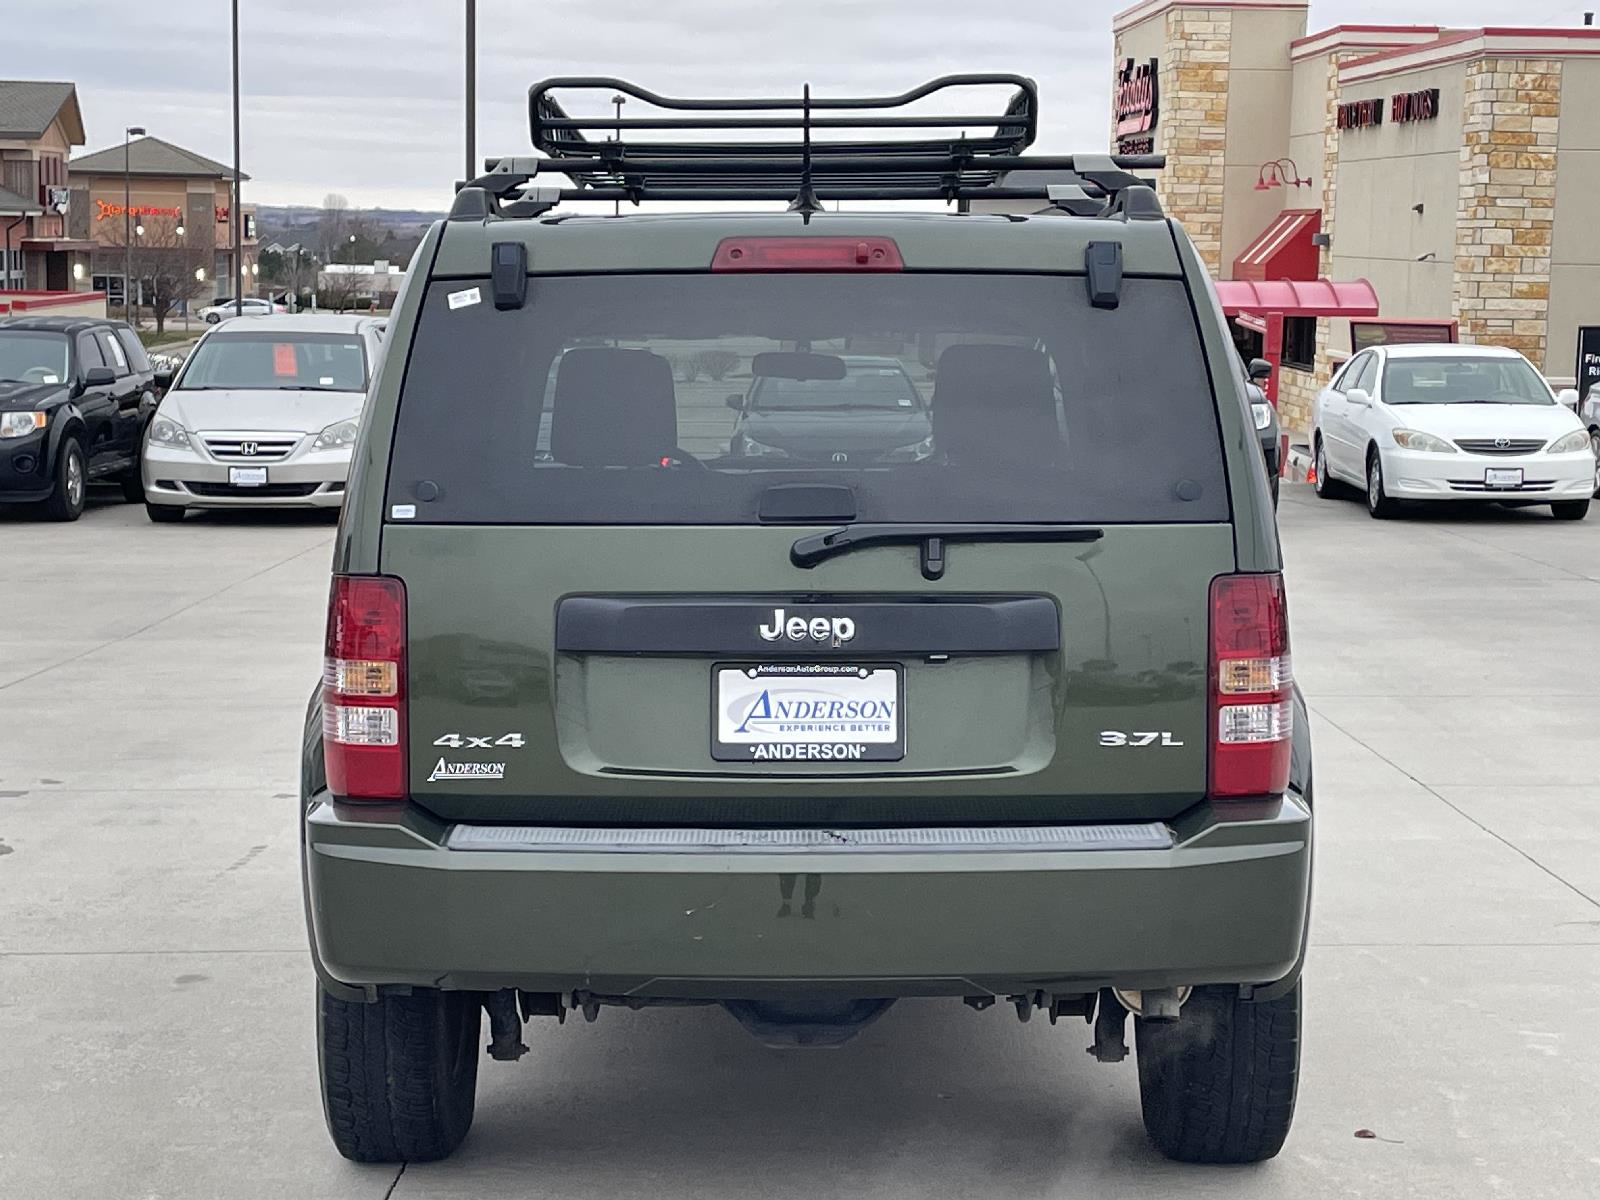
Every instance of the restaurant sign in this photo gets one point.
(107, 209)
(1136, 106)
(1402, 107)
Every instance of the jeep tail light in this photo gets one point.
(807, 254)
(1251, 686)
(364, 688)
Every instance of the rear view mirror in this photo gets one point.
(99, 377)
(1260, 369)
(1569, 397)
(735, 402)
(163, 377)
(1358, 397)
(776, 364)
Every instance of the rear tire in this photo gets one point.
(400, 1075)
(1218, 1084)
(1570, 510)
(1379, 505)
(71, 484)
(163, 514)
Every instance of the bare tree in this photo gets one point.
(332, 231)
(168, 267)
(338, 289)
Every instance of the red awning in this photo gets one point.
(1284, 249)
(1299, 297)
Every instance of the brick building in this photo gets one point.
(182, 200)
(1455, 170)
(39, 124)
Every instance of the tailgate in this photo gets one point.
(1031, 682)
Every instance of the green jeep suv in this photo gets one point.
(615, 714)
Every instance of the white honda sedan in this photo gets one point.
(1448, 422)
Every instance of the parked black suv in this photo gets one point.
(75, 396)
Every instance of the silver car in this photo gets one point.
(264, 413)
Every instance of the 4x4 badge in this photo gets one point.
(833, 630)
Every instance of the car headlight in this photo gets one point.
(1414, 439)
(754, 449)
(1262, 414)
(21, 424)
(1571, 443)
(915, 452)
(166, 432)
(339, 436)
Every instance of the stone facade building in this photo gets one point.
(1454, 170)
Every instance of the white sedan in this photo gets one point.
(253, 307)
(1438, 422)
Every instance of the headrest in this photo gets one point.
(994, 402)
(613, 408)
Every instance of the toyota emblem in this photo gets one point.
(840, 456)
(1502, 443)
(249, 449)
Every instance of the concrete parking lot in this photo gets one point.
(156, 999)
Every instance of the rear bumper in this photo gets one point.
(1210, 901)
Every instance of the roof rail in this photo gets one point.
(699, 155)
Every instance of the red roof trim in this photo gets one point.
(1466, 35)
(1322, 33)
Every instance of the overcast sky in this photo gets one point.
(364, 97)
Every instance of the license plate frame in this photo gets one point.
(247, 477)
(1502, 478)
(828, 739)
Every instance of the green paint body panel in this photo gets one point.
(622, 740)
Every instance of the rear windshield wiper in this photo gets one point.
(815, 547)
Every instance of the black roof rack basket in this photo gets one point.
(787, 148)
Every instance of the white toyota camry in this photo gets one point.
(1435, 422)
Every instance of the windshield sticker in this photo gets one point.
(464, 299)
(325, 380)
(51, 378)
(403, 512)
(283, 363)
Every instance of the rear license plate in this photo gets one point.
(247, 476)
(807, 712)
(1502, 477)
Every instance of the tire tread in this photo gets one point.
(1219, 1084)
(382, 1076)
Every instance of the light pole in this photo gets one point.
(619, 100)
(238, 176)
(128, 135)
(472, 89)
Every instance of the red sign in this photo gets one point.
(135, 210)
(283, 363)
(222, 214)
(1136, 104)
(1414, 106)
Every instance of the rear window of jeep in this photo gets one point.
(641, 399)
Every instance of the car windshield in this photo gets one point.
(327, 362)
(871, 385)
(1463, 380)
(33, 357)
